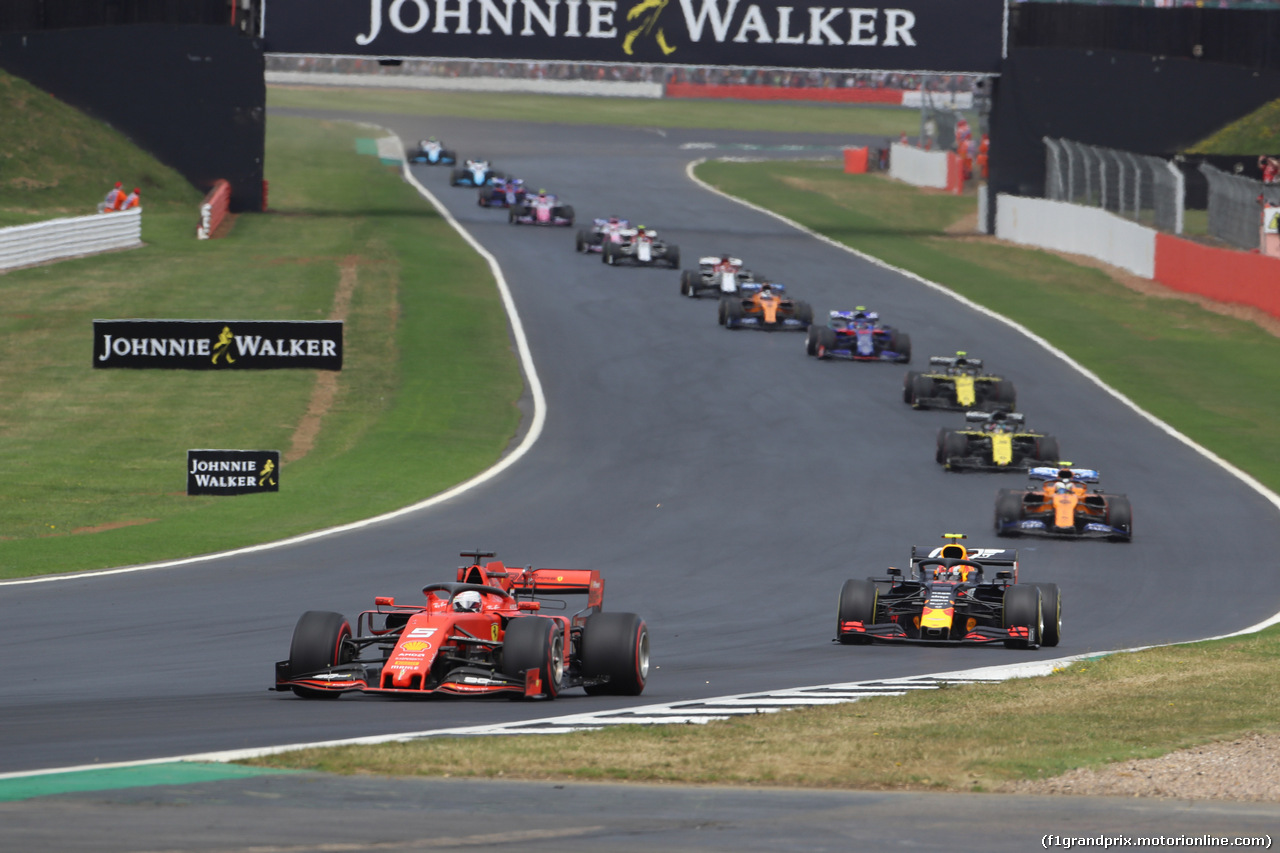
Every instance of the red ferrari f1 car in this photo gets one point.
(483, 634)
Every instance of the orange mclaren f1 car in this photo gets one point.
(764, 305)
(1063, 506)
(953, 595)
(481, 635)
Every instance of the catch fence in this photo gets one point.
(1143, 188)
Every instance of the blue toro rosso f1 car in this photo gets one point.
(432, 153)
(858, 335)
(503, 192)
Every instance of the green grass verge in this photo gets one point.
(631, 112)
(1195, 369)
(1256, 133)
(95, 457)
(964, 738)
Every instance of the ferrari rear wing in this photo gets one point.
(560, 582)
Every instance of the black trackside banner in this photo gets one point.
(232, 472)
(902, 35)
(218, 344)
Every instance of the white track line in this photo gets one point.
(535, 426)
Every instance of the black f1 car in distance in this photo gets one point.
(1062, 506)
(858, 335)
(952, 595)
(960, 383)
(482, 634)
(997, 441)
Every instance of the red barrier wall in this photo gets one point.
(782, 93)
(855, 161)
(1222, 274)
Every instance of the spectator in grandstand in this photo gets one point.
(115, 198)
(132, 200)
(1270, 167)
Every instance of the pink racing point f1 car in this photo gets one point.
(541, 209)
(479, 635)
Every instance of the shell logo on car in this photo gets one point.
(415, 646)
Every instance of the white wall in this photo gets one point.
(23, 245)
(1079, 230)
(607, 88)
(917, 166)
(941, 100)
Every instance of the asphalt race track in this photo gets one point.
(724, 483)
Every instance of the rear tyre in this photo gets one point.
(1120, 514)
(902, 346)
(535, 642)
(908, 383)
(689, 284)
(1008, 512)
(1024, 608)
(615, 645)
(1051, 606)
(858, 599)
(320, 640)
(1047, 449)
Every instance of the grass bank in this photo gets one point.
(96, 457)
(631, 112)
(965, 738)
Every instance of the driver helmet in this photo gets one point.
(946, 573)
(431, 139)
(724, 259)
(467, 601)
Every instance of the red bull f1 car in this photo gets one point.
(995, 441)
(541, 209)
(723, 275)
(1062, 506)
(483, 634)
(858, 335)
(959, 383)
(764, 305)
(951, 595)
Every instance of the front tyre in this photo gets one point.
(615, 646)
(321, 639)
(1051, 601)
(535, 642)
(1023, 608)
(858, 600)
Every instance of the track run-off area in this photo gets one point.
(723, 483)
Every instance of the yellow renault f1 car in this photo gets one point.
(996, 441)
(951, 595)
(958, 382)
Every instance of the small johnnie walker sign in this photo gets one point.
(232, 472)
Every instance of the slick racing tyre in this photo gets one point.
(902, 346)
(824, 342)
(320, 640)
(921, 389)
(689, 284)
(1023, 608)
(908, 383)
(1008, 512)
(954, 446)
(733, 313)
(722, 311)
(535, 642)
(580, 242)
(564, 211)
(615, 646)
(804, 312)
(607, 254)
(1051, 606)
(673, 257)
(811, 341)
(1047, 450)
(1003, 393)
(1120, 514)
(457, 177)
(858, 600)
